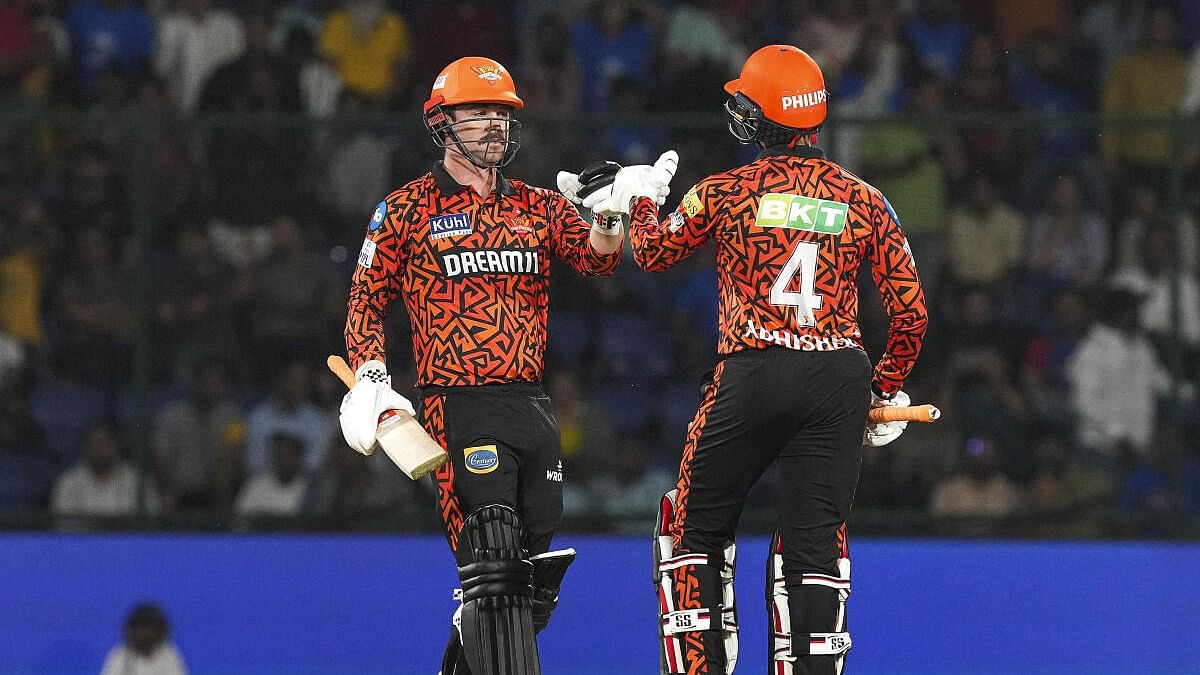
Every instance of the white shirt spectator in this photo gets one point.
(81, 492)
(308, 423)
(1156, 302)
(190, 49)
(165, 660)
(1115, 381)
(266, 495)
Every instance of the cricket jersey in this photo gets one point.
(473, 272)
(792, 229)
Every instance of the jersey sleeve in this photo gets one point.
(895, 274)
(569, 239)
(376, 282)
(659, 245)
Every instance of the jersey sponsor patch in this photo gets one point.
(366, 256)
(675, 221)
(465, 263)
(481, 458)
(801, 213)
(692, 204)
(449, 225)
(378, 216)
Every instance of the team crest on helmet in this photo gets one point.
(489, 73)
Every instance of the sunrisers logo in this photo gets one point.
(489, 73)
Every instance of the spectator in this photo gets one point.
(1066, 499)
(146, 649)
(939, 37)
(94, 300)
(1148, 80)
(455, 28)
(289, 411)
(871, 80)
(1148, 212)
(369, 45)
(1068, 242)
(26, 469)
(629, 486)
(294, 301)
(1155, 278)
(20, 283)
(279, 490)
(359, 161)
(198, 441)
(15, 42)
(109, 34)
(982, 87)
(832, 37)
(977, 488)
(611, 43)
(103, 484)
(1063, 323)
(911, 163)
(193, 42)
(985, 236)
(197, 303)
(1115, 382)
(351, 486)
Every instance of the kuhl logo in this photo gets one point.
(449, 225)
(801, 213)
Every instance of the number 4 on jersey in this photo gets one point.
(802, 263)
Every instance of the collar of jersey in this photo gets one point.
(805, 151)
(448, 186)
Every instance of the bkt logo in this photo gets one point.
(801, 213)
(804, 100)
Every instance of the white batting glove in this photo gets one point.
(879, 435)
(631, 182)
(568, 185)
(370, 397)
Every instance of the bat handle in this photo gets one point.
(337, 365)
(914, 413)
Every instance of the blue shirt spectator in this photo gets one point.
(106, 34)
(614, 45)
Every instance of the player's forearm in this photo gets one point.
(653, 248)
(364, 329)
(906, 335)
(605, 244)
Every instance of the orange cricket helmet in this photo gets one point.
(780, 84)
(471, 79)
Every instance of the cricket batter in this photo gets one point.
(793, 385)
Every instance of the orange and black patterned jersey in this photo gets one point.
(792, 229)
(473, 272)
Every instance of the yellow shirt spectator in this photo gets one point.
(367, 59)
(20, 297)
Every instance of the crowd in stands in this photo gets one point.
(183, 185)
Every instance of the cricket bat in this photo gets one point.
(399, 434)
(908, 413)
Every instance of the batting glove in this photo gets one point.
(879, 435)
(633, 182)
(370, 397)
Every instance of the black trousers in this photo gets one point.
(805, 410)
(504, 447)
